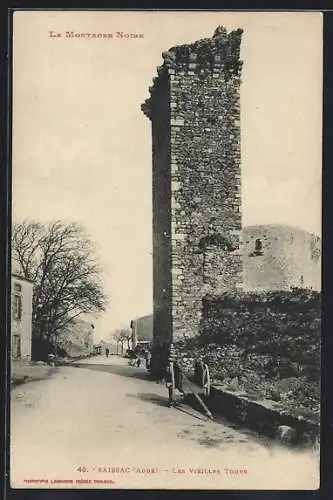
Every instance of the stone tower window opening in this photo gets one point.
(258, 247)
(212, 120)
(215, 240)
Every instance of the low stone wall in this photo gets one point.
(263, 354)
(262, 416)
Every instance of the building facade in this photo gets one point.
(194, 109)
(21, 318)
(142, 329)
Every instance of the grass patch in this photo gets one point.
(29, 371)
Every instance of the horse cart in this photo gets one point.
(179, 385)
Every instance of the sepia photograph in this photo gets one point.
(165, 328)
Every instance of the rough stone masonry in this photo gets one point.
(194, 107)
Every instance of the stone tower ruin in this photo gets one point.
(194, 108)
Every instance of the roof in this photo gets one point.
(143, 317)
(22, 278)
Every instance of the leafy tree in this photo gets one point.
(59, 258)
(124, 335)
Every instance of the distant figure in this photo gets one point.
(148, 359)
(138, 363)
(107, 352)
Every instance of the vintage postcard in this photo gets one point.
(166, 250)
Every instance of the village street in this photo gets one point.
(103, 420)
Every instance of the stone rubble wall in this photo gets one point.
(264, 346)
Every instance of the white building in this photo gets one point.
(21, 320)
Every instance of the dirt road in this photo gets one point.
(104, 424)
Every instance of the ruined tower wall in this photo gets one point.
(198, 146)
(162, 262)
(290, 257)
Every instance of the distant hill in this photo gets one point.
(279, 256)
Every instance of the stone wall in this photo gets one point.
(264, 345)
(196, 180)
(285, 325)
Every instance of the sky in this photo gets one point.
(82, 146)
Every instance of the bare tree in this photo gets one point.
(123, 336)
(59, 258)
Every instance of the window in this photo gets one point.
(258, 245)
(258, 248)
(17, 307)
(16, 346)
(211, 120)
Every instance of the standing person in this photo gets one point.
(107, 352)
(148, 359)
